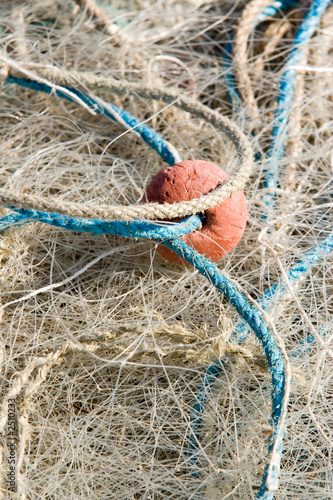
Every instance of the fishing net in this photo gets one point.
(105, 345)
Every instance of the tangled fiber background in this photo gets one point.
(103, 344)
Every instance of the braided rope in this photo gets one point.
(229, 61)
(247, 22)
(149, 211)
(275, 364)
(135, 229)
(286, 93)
(95, 106)
(253, 14)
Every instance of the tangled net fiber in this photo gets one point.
(134, 378)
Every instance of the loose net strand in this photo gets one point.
(102, 20)
(105, 355)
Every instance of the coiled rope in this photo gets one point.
(148, 211)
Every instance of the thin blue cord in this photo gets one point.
(295, 273)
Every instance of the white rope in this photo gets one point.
(148, 211)
(245, 27)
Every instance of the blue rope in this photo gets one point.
(136, 229)
(154, 140)
(169, 237)
(242, 329)
(253, 318)
(139, 229)
(285, 95)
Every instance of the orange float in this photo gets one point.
(223, 225)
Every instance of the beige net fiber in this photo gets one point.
(103, 344)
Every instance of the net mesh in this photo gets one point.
(106, 357)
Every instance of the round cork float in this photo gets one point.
(223, 225)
